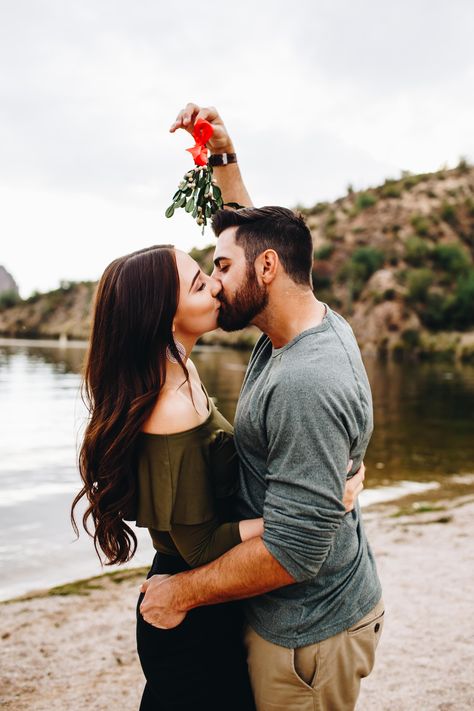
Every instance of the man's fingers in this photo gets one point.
(188, 116)
(154, 580)
(185, 118)
(349, 466)
(360, 474)
(208, 113)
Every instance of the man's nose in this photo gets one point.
(216, 286)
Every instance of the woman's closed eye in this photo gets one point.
(202, 286)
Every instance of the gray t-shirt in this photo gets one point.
(304, 410)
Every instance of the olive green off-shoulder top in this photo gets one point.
(185, 484)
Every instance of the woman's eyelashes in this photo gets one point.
(202, 286)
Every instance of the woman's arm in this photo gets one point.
(250, 528)
(200, 543)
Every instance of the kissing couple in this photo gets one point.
(263, 593)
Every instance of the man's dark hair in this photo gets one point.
(261, 228)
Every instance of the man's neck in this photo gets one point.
(289, 314)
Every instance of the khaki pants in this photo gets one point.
(320, 677)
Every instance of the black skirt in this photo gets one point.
(200, 664)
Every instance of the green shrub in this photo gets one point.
(366, 261)
(433, 313)
(409, 181)
(365, 200)
(391, 189)
(460, 311)
(324, 252)
(421, 225)
(416, 251)
(330, 222)
(322, 275)
(448, 213)
(419, 281)
(35, 296)
(451, 258)
(411, 338)
(8, 299)
(318, 208)
(463, 165)
(470, 207)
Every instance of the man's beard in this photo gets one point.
(248, 301)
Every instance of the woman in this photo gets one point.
(157, 450)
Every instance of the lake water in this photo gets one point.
(424, 432)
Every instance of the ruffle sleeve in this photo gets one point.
(174, 485)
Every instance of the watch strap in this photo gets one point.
(217, 159)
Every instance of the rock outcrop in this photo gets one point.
(7, 282)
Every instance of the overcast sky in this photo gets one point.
(316, 94)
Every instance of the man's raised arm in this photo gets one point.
(228, 177)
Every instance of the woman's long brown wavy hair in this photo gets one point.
(125, 370)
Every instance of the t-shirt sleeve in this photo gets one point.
(199, 544)
(308, 452)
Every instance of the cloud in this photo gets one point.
(316, 95)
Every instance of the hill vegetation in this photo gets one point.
(396, 260)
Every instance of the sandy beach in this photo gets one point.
(77, 649)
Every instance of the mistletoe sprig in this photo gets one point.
(198, 193)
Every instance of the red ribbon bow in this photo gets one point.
(203, 131)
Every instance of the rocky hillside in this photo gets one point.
(64, 312)
(396, 260)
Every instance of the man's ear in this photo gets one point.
(266, 266)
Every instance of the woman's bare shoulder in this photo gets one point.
(172, 413)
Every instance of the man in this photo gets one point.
(314, 610)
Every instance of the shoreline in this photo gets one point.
(450, 348)
(426, 564)
(393, 500)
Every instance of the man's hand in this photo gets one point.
(228, 177)
(354, 486)
(220, 141)
(157, 607)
